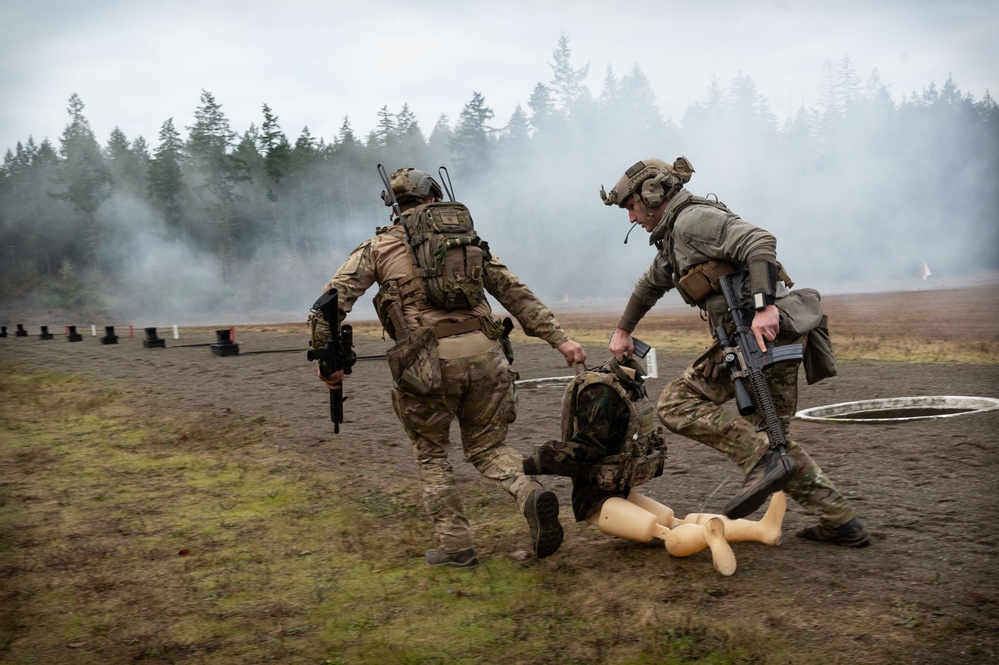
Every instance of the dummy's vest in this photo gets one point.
(449, 254)
(643, 452)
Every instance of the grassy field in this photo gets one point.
(125, 538)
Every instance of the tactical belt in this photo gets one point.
(463, 339)
(442, 330)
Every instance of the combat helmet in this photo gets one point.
(409, 184)
(652, 179)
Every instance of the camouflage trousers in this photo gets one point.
(692, 406)
(479, 391)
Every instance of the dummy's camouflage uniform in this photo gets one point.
(691, 404)
(609, 442)
(603, 419)
(479, 389)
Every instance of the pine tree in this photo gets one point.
(83, 173)
(127, 161)
(164, 179)
(439, 143)
(210, 149)
(542, 108)
(276, 150)
(567, 83)
(472, 144)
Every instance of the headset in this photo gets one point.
(653, 190)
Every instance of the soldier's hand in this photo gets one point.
(573, 352)
(332, 381)
(621, 344)
(766, 325)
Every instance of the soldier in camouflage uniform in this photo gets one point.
(465, 374)
(697, 241)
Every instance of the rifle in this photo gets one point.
(746, 361)
(397, 211)
(338, 353)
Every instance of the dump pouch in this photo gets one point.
(801, 315)
(820, 363)
(800, 312)
(415, 363)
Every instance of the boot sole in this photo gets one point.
(740, 507)
(546, 530)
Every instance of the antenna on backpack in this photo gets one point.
(446, 181)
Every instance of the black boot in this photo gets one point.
(541, 512)
(768, 476)
(851, 534)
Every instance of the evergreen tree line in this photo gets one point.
(912, 180)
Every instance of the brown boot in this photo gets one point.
(462, 559)
(768, 476)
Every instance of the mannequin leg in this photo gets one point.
(664, 514)
(766, 531)
(686, 539)
(624, 519)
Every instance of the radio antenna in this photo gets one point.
(446, 181)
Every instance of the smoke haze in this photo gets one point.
(860, 190)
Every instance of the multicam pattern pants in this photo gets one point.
(479, 391)
(691, 406)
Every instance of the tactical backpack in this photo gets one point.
(449, 254)
(643, 452)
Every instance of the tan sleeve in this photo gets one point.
(534, 317)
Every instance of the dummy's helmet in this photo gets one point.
(408, 184)
(653, 180)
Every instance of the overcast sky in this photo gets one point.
(136, 63)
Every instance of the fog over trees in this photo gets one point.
(207, 220)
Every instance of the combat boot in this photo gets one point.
(768, 476)
(851, 534)
(462, 559)
(541, 512)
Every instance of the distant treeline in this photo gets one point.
(859, 168)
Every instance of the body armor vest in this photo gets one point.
(643, 452)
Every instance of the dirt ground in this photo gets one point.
(926, 489)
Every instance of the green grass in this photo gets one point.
(129, 538)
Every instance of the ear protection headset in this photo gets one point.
(653, 191)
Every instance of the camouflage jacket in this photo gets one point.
(690, 234)
(387, 257)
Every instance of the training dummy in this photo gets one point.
(610, 445)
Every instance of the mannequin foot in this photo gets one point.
(722, 555)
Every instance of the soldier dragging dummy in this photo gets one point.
(609, 446)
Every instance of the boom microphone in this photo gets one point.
(629, 232)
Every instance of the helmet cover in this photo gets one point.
(410, 184)
(669, 175)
